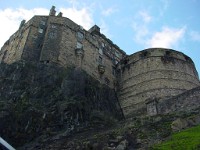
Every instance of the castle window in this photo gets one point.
(100, 51)
(52, 35)
(79, 45)
(40, 30)
(117, 54)
(102, 44)
(113, 70)
(80, 36)
(42, 22)
(53, 26)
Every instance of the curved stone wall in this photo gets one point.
(154, 73)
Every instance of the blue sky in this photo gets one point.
(131, 24)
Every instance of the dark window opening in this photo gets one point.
(144, 54)
(113, 70)
(168, 53)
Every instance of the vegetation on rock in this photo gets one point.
(188, 139)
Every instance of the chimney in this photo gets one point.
(52, 11)
(60, 14)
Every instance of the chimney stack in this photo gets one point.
(52, 11)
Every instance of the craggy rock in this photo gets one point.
(43, 100)
(179, 124)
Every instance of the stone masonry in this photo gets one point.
(140, 79)
(56, 39)
(151, 74)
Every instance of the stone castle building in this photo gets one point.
(141, 79)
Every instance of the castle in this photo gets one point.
(141, 79)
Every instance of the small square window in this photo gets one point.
(40, 30)
(79, 45)
(100, 51)
(80, 36)
(117, 54)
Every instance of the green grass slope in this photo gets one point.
(188, 139)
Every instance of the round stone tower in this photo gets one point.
(154, 73)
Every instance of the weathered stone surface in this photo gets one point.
(55, 39)
(185, 102)
(154, 73)
(122, 145)
(38, 99)
(179, 124)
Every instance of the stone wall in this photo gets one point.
(71, 45)
(59, 40)
(185, 102)
(35, 38)
(154, 73)
(13, 48)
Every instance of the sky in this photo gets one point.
(133, 25)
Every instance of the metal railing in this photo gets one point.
(4, 145)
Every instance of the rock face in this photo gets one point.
(39, 99)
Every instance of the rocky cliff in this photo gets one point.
(41, 100)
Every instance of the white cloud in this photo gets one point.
(195, 36)
(82, 16)
(164, 6)
(140, 32)
(73, 2)
(140, 26)
(167, 38)
(109, 11)
(11, 18)
(145, 16)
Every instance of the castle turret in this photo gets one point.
(154, 74)
(94, 29)
(60, 14)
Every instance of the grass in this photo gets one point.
(188, 139)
